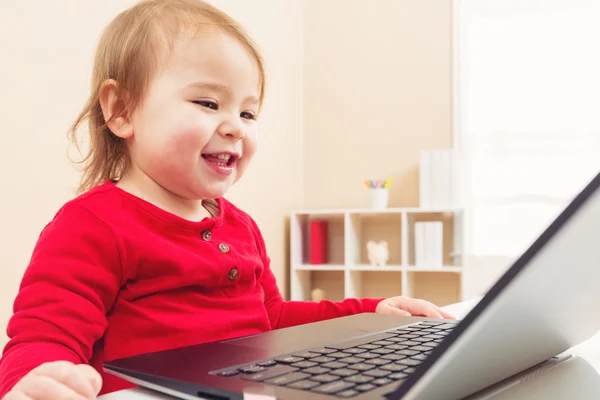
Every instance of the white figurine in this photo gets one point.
(377, 252)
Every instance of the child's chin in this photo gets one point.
(216, 191)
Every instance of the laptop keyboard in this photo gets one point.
(349, 368)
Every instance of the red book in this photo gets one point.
(318, 242)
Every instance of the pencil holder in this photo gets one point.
(379, 197)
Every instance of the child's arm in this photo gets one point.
(60, 311)
(284, 314)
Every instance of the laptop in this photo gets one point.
(540, 307)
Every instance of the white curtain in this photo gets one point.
(527, 115)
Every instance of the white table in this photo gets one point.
(577, 378)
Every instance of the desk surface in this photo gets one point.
(576, 378)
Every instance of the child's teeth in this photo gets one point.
(223, 156)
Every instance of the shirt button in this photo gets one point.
(207, 235)
(233, 273)
(224, 248)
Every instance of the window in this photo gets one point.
(527, 116)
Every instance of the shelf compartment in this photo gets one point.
(439, 288)
(451, 231)
(300, 238)
(373, 284)
(361, 228)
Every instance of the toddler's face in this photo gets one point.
(195, 132)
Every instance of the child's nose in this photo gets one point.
(231, 129)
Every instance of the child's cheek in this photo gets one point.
(189, 139)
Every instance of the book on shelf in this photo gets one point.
(319, 243)
(436, 179)
(429, 244)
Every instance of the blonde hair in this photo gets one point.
(130, 51)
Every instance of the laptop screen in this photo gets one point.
(509, 276)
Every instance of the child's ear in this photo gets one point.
(113, 102)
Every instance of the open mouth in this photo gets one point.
(220, 159)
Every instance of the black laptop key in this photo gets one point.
(446, 326)
(432, 323)
(251, 369)
(274, 372)
(338, 354)
(324, 378)
(396, 347)
(433, 336)
(412, 328)
(316, 370)
(287, 379)
(362, 340)
(410, 343)
(408, 336)
(323, 351)
(361, 367)
(230, 372)
(377, 373)
(393, 367)
(423, 339)
(343, 372)
(432, 330)
(268, 363)
(392, 357)
(420, 357)
(304, 364)
(422, 347)
(334, 387)
(304, 385)
(351, 360)
(370, 346)
(368, 356)
(355, 350)
(334, 365)
(410, 362)
(360, 379)
(322, 359)
(380, 361)
(307, 354)
(396, 339)
(382, 351)
(407, 352)
(365, 387)
(382, 381)
(397, 375)
(289, 359)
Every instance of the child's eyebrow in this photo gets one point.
(221, 88)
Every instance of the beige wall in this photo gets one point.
(348, 81)
(377, 91)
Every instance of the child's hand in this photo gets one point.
(57, 380)
(406, 307)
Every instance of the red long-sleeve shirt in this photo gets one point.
(114, 276)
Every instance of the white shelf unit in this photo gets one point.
(347, 274)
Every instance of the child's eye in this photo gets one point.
(248, 115)
(208, 104)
